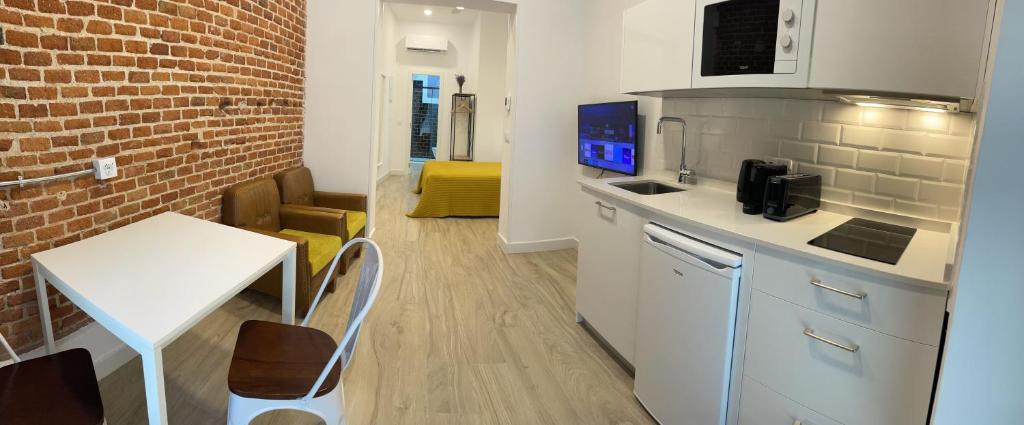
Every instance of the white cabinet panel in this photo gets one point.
(886, 381)
(609, 270)
(762, 406)
(896, 309)
(929, 47)
(657, 46)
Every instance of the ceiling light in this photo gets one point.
(428, 12)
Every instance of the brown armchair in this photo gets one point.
(298, 193)
(256, 206)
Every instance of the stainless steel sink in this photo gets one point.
(647, 187)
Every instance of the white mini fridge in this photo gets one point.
(686, 320)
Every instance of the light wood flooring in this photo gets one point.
(461, 334)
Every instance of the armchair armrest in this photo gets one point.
(314, 221)
(301, 251)
(340, 201)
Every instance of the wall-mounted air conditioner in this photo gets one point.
(426, 43)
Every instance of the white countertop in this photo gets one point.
(713, 207)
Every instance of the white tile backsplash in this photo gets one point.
(903, 162)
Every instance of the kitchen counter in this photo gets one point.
(713, 207)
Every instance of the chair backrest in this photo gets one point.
(296, 186)
(370, 275)
(253, 204)
(10, 351)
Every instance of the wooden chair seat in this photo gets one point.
(273, 361)
(56, 389)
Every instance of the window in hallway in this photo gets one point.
(426, 90)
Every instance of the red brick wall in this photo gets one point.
(190, 96)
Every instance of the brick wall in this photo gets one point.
(909, 163)
(190, 96)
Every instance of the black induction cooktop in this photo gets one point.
(868, 239)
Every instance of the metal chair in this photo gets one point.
(56, 389)
(286, 367)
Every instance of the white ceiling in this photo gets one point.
(442, 14)
(446, 6)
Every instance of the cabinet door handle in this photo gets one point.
(853, 348)
(602, 205)
(858, 295)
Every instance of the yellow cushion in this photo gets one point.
(354, 222)
(322, 248)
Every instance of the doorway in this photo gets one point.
(423, 122)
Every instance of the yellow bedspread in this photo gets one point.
(458, 189)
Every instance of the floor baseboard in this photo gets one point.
(108, 352)
(536, 246)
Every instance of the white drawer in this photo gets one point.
(902, 310)
(884, 381)
(759, 405)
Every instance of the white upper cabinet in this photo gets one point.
(657, 46)
(930, 47)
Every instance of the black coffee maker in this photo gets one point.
(754, 175)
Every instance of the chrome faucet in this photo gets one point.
(685, 175)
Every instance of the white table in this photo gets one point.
(149, 282)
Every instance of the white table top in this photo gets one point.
(150, 281)
(923, 263)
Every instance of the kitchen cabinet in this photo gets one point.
(931, 47)
(657, 46)
(608, 270)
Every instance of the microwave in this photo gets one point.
(752, 43)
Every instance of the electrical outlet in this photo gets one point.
(105, 168)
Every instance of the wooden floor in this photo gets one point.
(461, 334)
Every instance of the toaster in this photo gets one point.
(792, 195)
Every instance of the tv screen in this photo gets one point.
(608, 137)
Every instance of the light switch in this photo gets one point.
(104, 168)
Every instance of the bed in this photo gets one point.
(458, 189)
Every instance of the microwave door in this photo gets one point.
(739, 37)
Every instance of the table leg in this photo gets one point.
(156, 399)
(44, 310)
(288, 288)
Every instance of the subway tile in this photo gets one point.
(711, 142)
(961, 124)
(836, 195)
(949, 213)
(841, 113)
(828, 174)
(855, 180)
(904, 141)
(803, 109)
(897, 187)
(784, 129)
(806, 152)
(736, 143)
(885, 162)
(928, 121)
(875, 202)
(762, 148)
(789, 163)
(917, 209)
(942, 194)
(920, 166)
(837, 156)
(954, 171)
(709, 107)
(821, 132)
(684, 107)
(948, 146)
(865, 137)
(884, 117)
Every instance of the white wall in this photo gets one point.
(547, 89)
(982, 380)
(491, 90)
(339, 92)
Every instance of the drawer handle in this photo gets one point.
(858, 295)
(853, 348)
(602, 205)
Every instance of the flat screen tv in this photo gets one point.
(608, 137)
